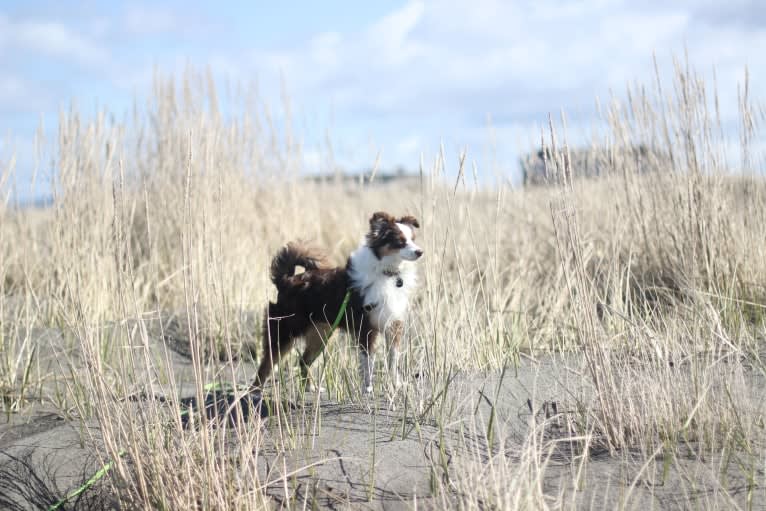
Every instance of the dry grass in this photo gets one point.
(656, 279)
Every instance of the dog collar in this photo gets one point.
(399, 283)
(392, 273)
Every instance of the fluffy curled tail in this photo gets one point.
(295, 253)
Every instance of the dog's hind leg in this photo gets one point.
(278, 338)
(316, 337)
(272, 354)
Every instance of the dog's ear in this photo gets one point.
(378, 217)
(378, 222)
(409, 220)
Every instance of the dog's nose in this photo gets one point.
(418, 253)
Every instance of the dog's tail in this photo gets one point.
(295, 253)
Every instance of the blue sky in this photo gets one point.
(395, 78)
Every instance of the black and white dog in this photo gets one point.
(381, 276)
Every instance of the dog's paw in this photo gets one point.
(310, 387)
(316, 388)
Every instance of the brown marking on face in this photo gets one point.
(385, 237)
(383, 251)
(409, 220)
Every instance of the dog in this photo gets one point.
(380, 276)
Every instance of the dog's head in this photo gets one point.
(391, 237)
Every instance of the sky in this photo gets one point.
(390, 80)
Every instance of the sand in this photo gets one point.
(376, 454)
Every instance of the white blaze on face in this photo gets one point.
(411, 251)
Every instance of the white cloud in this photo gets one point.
(145, 19)
(512, 59)
(426, 71)
(11, 87)
(325, 50)
(410, 146)
(151, 19)
(390, 41)
(50, 38)
(18, 94)
(433, 70)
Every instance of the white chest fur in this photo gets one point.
(391, 301)
(377, 283)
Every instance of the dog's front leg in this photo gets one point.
(367, 359)
(366, 365)
(394, 338)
